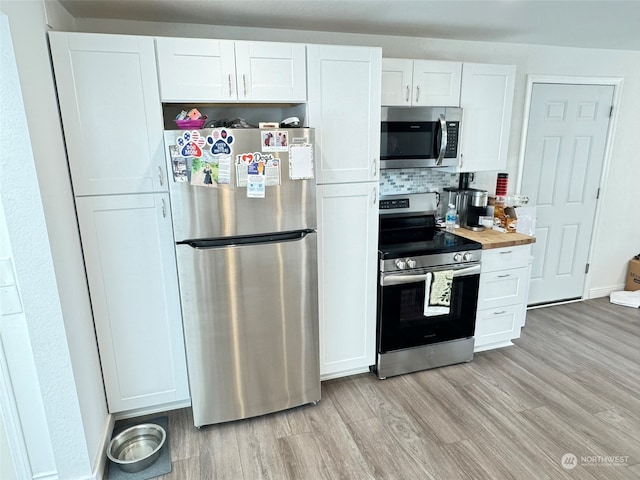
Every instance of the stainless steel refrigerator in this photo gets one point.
(243, 209)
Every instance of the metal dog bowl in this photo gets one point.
(137, 447)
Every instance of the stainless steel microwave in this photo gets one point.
(419, 136)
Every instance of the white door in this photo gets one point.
(344, 108)
(196, 69)
(131, 269)
(347, 253)
(111, 111)
(271, 72)
(563, 159)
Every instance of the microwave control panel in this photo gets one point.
(451, 150)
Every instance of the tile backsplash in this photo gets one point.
(398, 181)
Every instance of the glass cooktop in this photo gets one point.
(439, 242)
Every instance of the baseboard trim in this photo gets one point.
(346, 373)
(141, 412)
(604, 291)
(100, 463)
(493, 346)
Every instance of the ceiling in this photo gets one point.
(586, 23)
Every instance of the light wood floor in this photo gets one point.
(569, 386)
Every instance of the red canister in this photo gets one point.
(501, 184)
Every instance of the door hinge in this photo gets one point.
(586, 269)
(598, 194)
(611, 111)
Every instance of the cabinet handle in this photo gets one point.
(408, 93)
(230, 92)
(160, 175)
(504, 276)
(508, 251)
(374, 170)
(164, 209)
(244, 82)
(500, 312)
(375, 195)
(417, 93)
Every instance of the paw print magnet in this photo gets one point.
(220, 142)
(191, 144)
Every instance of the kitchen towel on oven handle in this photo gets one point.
(437, 293)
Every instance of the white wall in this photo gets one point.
(59, 321)
(618, 229)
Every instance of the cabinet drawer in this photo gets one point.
(497, 325)
(505, 258)
(506, 287)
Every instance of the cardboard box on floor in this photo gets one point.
(633, 274)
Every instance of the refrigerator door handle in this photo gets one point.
(208, 243)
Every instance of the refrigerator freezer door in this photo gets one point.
(224, 210)
(251, 327)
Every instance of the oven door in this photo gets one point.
(401, 298)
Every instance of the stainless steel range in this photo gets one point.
(427, 289)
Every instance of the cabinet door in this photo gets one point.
(497, 327)
(196, 70)
(344, 108)
(505, 258)
(347, 253)
(436, 83)
(506, 287)
(271, 72)
(111, 112)
(397, 81)
(131, 268)
(486, 99)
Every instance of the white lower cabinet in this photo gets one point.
(131, 269)
(502, 298)
(347, 253)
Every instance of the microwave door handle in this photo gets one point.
(443, 139)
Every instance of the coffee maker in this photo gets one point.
(470, 203)
(472, 207)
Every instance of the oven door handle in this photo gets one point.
(389, 280)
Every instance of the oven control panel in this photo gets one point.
(440, 260)
(394, 203)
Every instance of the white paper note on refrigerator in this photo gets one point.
(300, 161)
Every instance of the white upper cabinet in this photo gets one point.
(268, 72)
(344, 109)
(205, 70)
(111, 112)
(407, 83)
(194, 69)
(487, 100)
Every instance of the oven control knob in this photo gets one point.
(411, 263)
(467, 257)
(401, 264)
(457, 257)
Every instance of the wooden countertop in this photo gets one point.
(493, 239)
